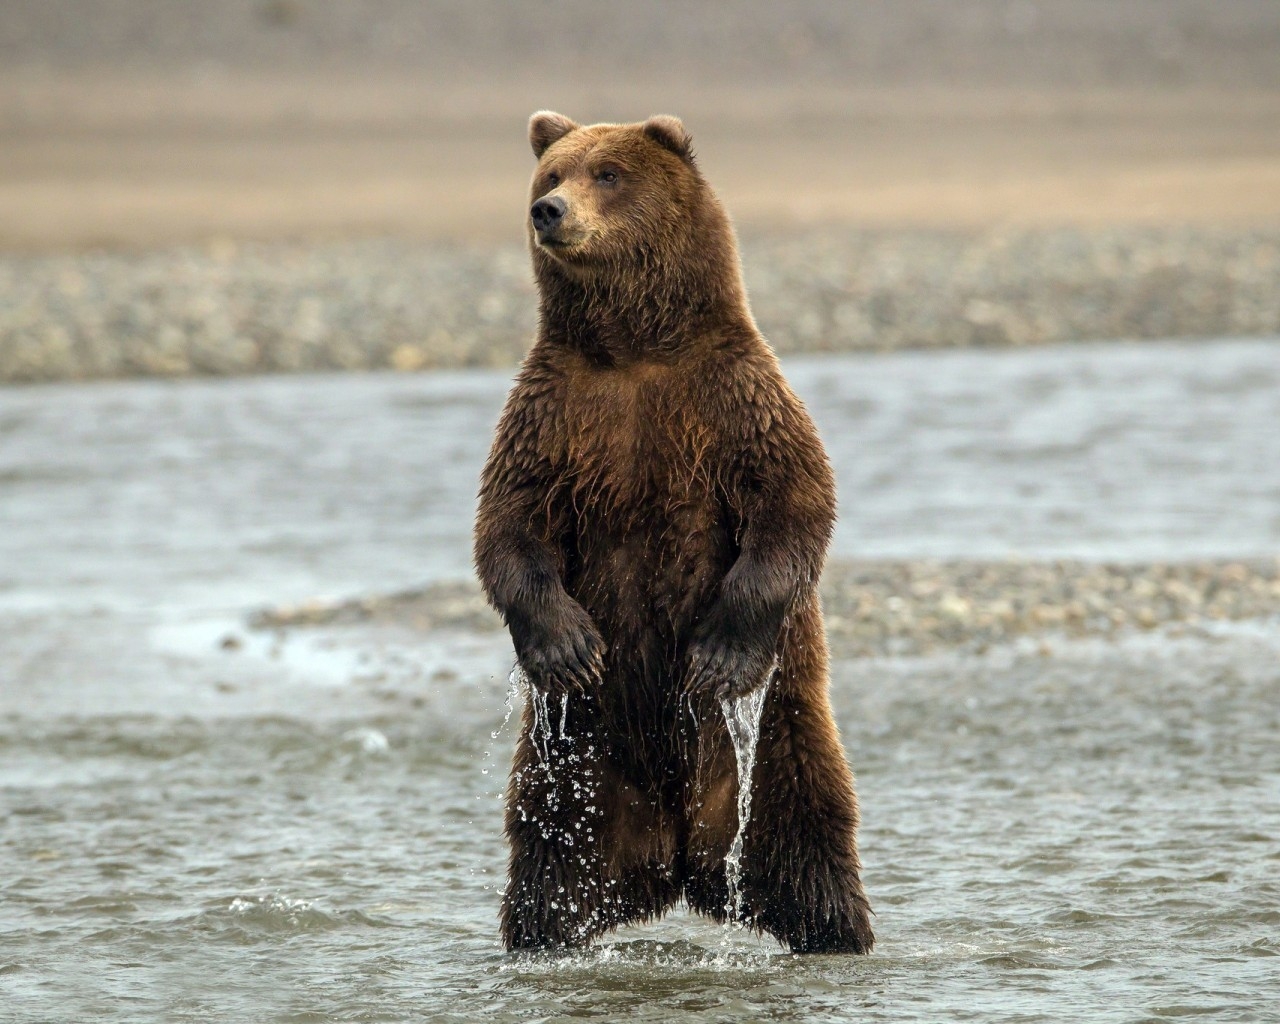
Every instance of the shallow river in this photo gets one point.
(306, 826)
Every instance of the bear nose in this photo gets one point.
(547, 213)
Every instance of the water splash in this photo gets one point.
(516, 682)
(742, 717)
(541, 733)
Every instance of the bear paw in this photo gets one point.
(562, 654)
(726, 670)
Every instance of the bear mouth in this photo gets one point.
(562, 247)
(562, 237)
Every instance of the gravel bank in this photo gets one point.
(910, 608)
(231, 309)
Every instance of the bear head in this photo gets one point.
(633, 254)
(610, 195)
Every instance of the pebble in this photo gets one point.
(913, 608)
(233, 308)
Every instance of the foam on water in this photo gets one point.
(649, 957)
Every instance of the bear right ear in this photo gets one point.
(670, 133)
(546, 127)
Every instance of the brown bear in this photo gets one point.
(652, 521)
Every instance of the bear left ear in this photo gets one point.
(546, 127)
(669, 132)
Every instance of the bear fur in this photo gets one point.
(653, 518)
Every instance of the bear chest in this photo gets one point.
(636, 449)
(645, 483)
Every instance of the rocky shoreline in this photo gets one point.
(878, 609)
(230, 308)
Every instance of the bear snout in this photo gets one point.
(547, 213)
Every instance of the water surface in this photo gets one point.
(202, 823)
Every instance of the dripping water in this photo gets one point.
(542, 734)
(516, 682)
(742, 717)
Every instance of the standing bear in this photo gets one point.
(653, 519)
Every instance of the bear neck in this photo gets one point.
(653, 308)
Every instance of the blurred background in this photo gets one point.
(341, 183)
(1022, 259)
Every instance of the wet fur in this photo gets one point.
(652, 523)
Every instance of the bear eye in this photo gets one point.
(609, 177)
(553, 179)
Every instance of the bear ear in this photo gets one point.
(546, 127)
(669, 132)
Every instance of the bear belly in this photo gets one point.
(644, 585)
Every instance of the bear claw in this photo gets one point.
(725, 672)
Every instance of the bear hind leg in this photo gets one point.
(800, 874)
(826, 915)
(803, 878)
(588, 853)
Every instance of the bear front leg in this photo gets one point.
(734, 645)
(556, 643)
(730, 654)
(736, 639)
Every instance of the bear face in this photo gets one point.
(608, 194)
(634, 256)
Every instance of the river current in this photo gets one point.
(199, 822)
